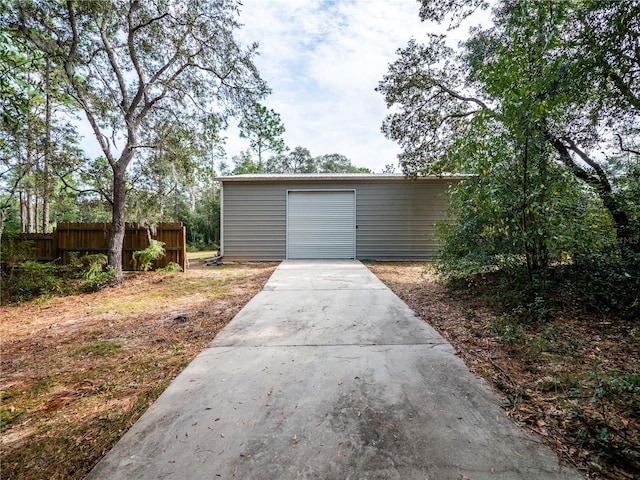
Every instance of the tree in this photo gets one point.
(15, 86)
(552, 80)
(244, 164)
(263, 128)
(336, 163)
(125, 62)
(36, 137)
(300, 160)
(169, 169)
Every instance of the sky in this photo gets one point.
(323, 60)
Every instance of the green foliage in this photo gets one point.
(9, 416)
(31, 279)
(264, 129)
(171, 267)
(244, 164)
(506, 329)
(142, 260)
(203, 224)
(599, 429)
(336, 163)
(134, 67)
(97, 277)
(26, 279)
(298, 160)
(550, 139)
(15, 250)
(500, 225)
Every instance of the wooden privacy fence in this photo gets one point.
(89, 238)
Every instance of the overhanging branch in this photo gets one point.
(626, 149)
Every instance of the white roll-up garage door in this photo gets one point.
(321, 224)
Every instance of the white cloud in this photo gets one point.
(323, 61)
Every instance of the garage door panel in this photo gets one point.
(321, 224)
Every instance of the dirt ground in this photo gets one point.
(573, 380)
(78, 371)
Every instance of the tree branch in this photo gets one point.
(462, 98)
(99, 191)
(115, 67)
(625, 90)
(598, 169)
(133, 54)
(629, 150)
(566, 158)
(70, 73)
(149, 22)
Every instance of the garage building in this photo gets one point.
(331, 216)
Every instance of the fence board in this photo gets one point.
(91, 238)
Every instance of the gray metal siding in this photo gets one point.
(395, 218)
(254, 221)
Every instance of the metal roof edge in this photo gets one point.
(334, 176)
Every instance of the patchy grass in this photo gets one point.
(197, 257)
(103, 348)
(569, 377)
(78, 371)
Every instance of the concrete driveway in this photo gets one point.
(326, 374)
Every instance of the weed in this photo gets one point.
(143, 259)
(31, 279)
(505, 329)
(109, 385)
(549, 384)
(545, 342)
(596, 425)
(96, 279)
(172, 267)
(470, 313)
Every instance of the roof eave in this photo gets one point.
(321, 177)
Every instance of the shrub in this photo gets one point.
(96, 278)
(143, 259)
(28, 279)
(31, 278)
(171, 267)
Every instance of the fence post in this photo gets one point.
(184, 249)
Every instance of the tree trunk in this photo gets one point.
(23, 212)
(46, 192)
(30, 213)
(628, 244)
(116, 234)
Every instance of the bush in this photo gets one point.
(30, 279)
(171, 267)
(97, 278)
(143, 259)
